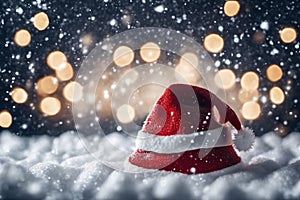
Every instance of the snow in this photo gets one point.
(44, 167)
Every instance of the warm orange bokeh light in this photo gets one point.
(144, 98)
(274, 73)
(213, 43)
(248, 95)
(50, 106)
(231, 8)
(125, 114)
(73, 91)
(189, 59)
(87, 39)
(277, 95)
(64, 72)
(56, 59)
(251, 110)
(22, 38)
(41, 21)
(150, 52)
(250, 81)
(187, 73)
(288, 35)
(5, 119)
(123, 56)
(225, 79)
(19, 95)
(47, 85)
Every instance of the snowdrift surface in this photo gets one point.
(43, 167)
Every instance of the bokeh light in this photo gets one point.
(87, 39)
(251, 110)
(213, 43)
(144, 98)
(250, 81)
(47, 85)
(225, 79)
(288, 35)
(248, 95)
(187, 73)
(64, 72)
(189, 59)
(5, 119)
(41, 21)
(22, 38)
(125, 114)
(19, 95)
(274, 73)
(50, 106)
(150, 52)
(56, 59)
(186, 69)
(231, 8)
(277, 95)
(73, 91)
(259, 37)
(123, 56)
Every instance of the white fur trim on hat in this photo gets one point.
(184, 142)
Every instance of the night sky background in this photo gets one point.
(71, 20)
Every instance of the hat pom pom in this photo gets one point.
(244, 139)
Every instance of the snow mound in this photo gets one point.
(44, 167)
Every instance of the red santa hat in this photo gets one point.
(187, 132)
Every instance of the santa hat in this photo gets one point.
(187, 132)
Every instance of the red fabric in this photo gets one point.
(184, 109)
(211, 160)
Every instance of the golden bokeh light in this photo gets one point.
(64, 72)
(213, 43)
(231, 8)
(87, 39)
(189, 59)
(150, 52)
(73, 91)
(123, 56)
(22, 38)
(246, 95)
(56, 59)
(125, 114)
(19, 95)
(274, 73)
(5, 119)
(250, 81)
(47, 85)
(144, 98)
(41, 21)
(50, 106)
(225, 79)
(251, 110)
(288, 35)
(277, 95)
(187, 73)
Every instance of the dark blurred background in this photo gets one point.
(76, 26)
